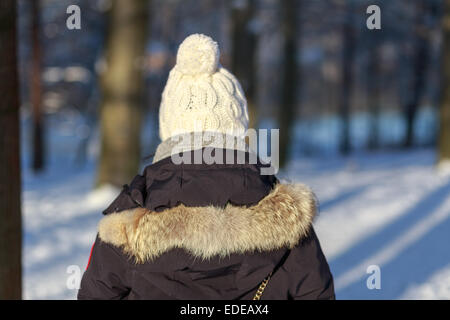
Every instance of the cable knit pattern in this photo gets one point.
(201, 95)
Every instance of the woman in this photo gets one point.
(201, 230)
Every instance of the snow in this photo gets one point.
(436, 287)
(443, 167)
(61, 211)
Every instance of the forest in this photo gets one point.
(360, 90)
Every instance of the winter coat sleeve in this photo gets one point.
(309, 270)
(107, 275)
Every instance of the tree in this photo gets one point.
(373, 87)
(10, 219)
(290, 79)
(36, 89)
(349, 46)
(420, 63)
(444, 135)
(122, 92)
(244, 42)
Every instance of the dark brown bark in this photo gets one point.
(10, 219)
(122, 92)
(290, 81)
(36, 89)
(444, 135)
(244, 41)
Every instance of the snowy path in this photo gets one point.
(386, 209)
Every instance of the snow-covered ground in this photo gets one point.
(389, 209)
(61, 212)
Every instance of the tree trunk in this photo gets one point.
(348, 34)
(373, 89)
(10, 219)
(444, 135)
(244, 42)
(290, 79)
(122, 92)
(420, 62)
(36, 89)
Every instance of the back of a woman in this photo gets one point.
(191, 228)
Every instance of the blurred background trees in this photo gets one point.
(310, 68)
(10, 183)
(444, 116)
(348, 55)
(289, 76)
(419, 63)
(122, 86)
(244, 37)
(36, 88)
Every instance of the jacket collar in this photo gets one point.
(198, 140)
(165, 184)
(280, 219)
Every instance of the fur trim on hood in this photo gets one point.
(281, 219)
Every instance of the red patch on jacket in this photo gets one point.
(90, 256)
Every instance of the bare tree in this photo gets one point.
(419, 64)
(36, 89)
(290, 81)
(349, 46)
(373, 88)
(122, 92)
(244, 42)
(10, 219)
(444, 135)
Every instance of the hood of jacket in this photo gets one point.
(281, 219)
(207, 209)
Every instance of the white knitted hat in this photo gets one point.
(201, 95)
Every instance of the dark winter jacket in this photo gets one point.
(198, 231)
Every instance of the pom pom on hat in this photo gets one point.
(198, 54)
